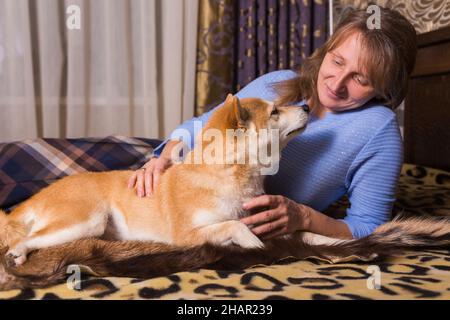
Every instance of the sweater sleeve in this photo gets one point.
(372, 180)
(260, 87)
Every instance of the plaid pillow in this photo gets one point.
(30, 165)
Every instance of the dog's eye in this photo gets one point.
(274, 112)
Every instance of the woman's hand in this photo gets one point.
(280, 216)
(146, 178)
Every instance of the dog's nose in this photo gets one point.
(305, 108)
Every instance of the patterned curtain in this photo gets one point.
(241, 40)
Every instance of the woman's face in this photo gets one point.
(341, 84)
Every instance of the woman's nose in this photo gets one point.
(305, 108)
(338, 86)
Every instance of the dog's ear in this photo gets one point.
(229, 99)
(240, 113)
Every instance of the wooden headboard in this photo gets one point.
(427, 105)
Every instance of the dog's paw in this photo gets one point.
(246, 239)
(14, 259)
(254, 243)
(9, 261)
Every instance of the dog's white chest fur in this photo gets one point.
(229, 201)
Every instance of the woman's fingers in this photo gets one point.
(132, 180)
(269, 226)
(140, 184)
(264, 200)
(261, 217)
(274, 233)
(148, 182)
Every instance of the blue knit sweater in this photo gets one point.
(357, 152)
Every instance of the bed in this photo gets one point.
(424, 189)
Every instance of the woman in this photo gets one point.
(352, 144)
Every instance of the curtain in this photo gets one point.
(129, 69)
(241, 40)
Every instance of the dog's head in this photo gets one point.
(251, 131)
(257, 115)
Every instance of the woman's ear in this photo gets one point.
(379, 96)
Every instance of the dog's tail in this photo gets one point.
(53, 265)
(146, 260)
(391, 238)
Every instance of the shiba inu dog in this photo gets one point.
(196, 202)
(190, 222)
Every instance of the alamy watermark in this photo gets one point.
(74, 280)
(234, 146)
(374, 281)
(73, 21)
(374, 21)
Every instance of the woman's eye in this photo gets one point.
(360, 80)
(338, 63)
(274, 112)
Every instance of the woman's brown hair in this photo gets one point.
(389, 60)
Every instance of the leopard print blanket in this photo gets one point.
(423, 274)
